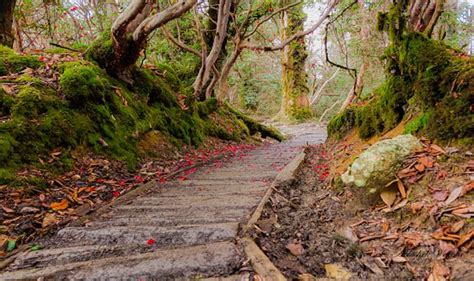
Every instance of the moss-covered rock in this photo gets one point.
(11, 62)
(378, 165)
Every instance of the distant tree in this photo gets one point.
(6, 22)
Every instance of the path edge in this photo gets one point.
(260, 262)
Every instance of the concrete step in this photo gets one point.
(230, 201)
(138, 235)
(216, 259)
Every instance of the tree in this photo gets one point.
(6, 21)
(295, 103)
(130, 32)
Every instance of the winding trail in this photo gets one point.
(179, 229)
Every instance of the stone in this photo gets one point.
(378, 165)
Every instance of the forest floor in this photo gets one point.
(314, 229)
(179, 227)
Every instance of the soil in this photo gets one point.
(312, 223)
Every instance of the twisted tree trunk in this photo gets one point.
(130, 32)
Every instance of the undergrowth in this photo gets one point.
(93, 110)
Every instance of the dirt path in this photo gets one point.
(182, 228)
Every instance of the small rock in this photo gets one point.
(29, 210)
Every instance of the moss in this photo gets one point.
(341, 123)
(6, 103)
(417, 124)
(426, 76)
(11, 62)
(31, 102)
(101, 50)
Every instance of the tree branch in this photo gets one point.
(161, 18)
(298, 35)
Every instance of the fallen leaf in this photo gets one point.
(454, 195)
(401, 189)
(399, 259)
(295, 248)
(388, 196)
(447, 248)
(29, 210)
(49, 219)
(465, 238)
(413, 239)
(11, 245)
(7, 210)
(427, 162)
(420, 167)
(336, 271)
(58, 206)
(42, 197)
(455, 228)
(438, 149)
(3, 241)
(440, 195)
(439, 272)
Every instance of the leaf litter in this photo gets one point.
(423, 230)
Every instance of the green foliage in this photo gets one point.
(11, 62)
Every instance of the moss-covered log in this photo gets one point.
(256, 127)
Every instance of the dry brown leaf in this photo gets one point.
(455, 228)
(465, 238)
(420, 167)
(388, 196)
(413, 239)
(427, 162)
(336, 271)
(440, 195)
(49, 219)
(402, 189)
(58, 206)
(7, 210)
(457, 192)
(439, 272)
(447, 248)
(399, 259)
(385, 226)
(295, 248)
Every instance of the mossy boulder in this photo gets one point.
(11, 62)
(378, 165)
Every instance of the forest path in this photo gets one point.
(178, 229)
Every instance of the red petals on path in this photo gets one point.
(150, 241)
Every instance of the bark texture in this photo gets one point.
(6, 22)
(295, 103)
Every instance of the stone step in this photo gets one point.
(138, 235)
(231, 201)
(216, 259)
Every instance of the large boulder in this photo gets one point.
(378, 165)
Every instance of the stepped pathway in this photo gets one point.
(193, 224)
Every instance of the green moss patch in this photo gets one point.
(423, 76)
(11, 62)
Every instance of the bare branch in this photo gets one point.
(120, 25)
(269, 17)
(180, 43)
(161, 18)
(298, 35)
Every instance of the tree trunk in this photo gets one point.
(6, 21)
(130, 32)
(295, 103)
